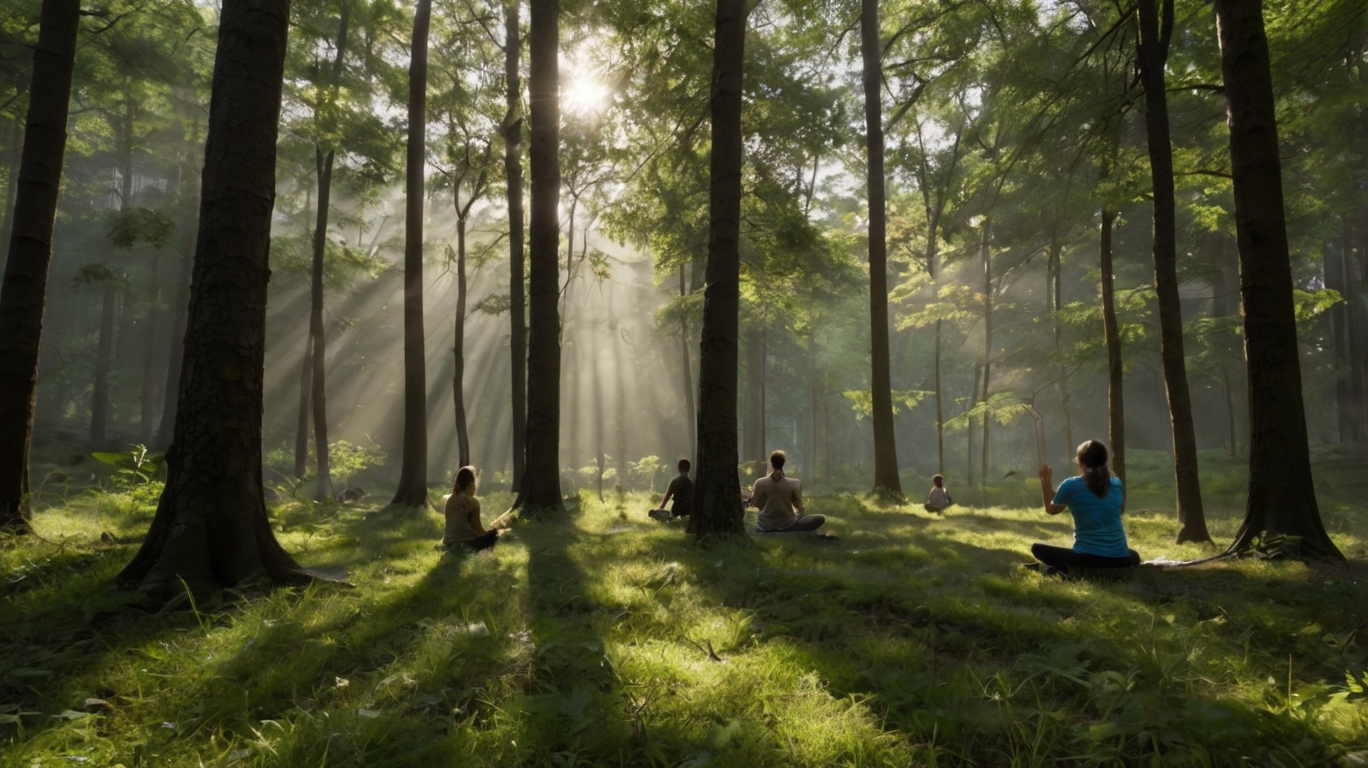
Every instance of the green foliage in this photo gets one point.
(862, 400)
(140, 224)
(132, 468)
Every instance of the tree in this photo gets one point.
(323, 168)
(540, 487)
(517, 307)
(717, 494)
(886, 480)
(412, 490)
(1282, 498)
(211, 528)
(1154, 36)
(1116, 401)
(24, 291)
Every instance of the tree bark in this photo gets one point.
(985, 246)
(1282, 494)
(541, 478)
(717, 492)
(412, 490)
(517, 306)
(24, 291)
(16, 156)
(211, 529)
(301, 447)
(1152, 54)
(686, 367)
(458, 347)
(318, 394)
(886, 480)
(1116, 402)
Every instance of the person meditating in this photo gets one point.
(681, 489)
(1094, 499)
(939, 498)
(463, 516)
(777, 496)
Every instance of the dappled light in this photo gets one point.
(868, 383)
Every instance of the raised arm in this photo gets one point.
(1047, 491)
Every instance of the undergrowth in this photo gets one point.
(598, 640)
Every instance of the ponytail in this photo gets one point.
(1092, 459)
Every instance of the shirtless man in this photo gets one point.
(777, 497)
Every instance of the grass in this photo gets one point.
(599, 640)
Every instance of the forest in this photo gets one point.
(285, 283)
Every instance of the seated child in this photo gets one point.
(463, 516)
(939, 498)
(681, 489)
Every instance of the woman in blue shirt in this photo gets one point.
(1094, 499)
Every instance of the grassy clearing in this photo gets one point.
(599, 640)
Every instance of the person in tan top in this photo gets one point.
(463, 516)
(777, 497)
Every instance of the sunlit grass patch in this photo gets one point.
(598, 640)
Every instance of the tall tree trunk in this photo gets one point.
(886, 480)
(717, 493)
(1116, 401)
(1282, 495)
(301, 447)
(412, 490)
(16, 155)
(1057, 303)
(318, 345)
(458, 365)
(1153, 53)
(211, 529)
(985, 246)
(686, 366)
(541, 479)
(969, 432)
(813, 396)
(754, 431)
(517, 306)
(188, 225)
(24, 291)
(1337, 257)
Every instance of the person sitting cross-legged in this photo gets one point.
(1094, 499)
(777, 497)
(938, 498)
(681, 489)
(463, 516)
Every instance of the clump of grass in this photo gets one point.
(589, 639)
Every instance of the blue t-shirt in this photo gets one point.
(1097, 521)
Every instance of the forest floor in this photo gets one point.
(605, 638)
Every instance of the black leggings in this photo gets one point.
(1063, 559)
